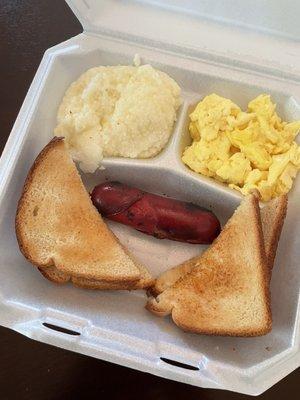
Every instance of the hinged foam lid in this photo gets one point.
(261, 33)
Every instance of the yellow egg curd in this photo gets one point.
(246, 150)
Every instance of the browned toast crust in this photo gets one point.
(55, 276)
(272, 222)
(19, 221)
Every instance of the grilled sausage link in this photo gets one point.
(162, 217)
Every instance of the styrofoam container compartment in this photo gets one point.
(236, 49)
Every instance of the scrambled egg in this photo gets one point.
(247, 150)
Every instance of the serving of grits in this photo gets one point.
(121, 111)
(246, 150)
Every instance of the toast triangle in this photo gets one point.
(57, 224)
(272, 219)
(226, 293)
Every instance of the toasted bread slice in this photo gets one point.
(272, 218)
(227, 290)
(54, 275)
(143, 283)
(57, 224)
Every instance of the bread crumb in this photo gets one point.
(136, 60)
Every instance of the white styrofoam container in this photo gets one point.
(237, 49)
